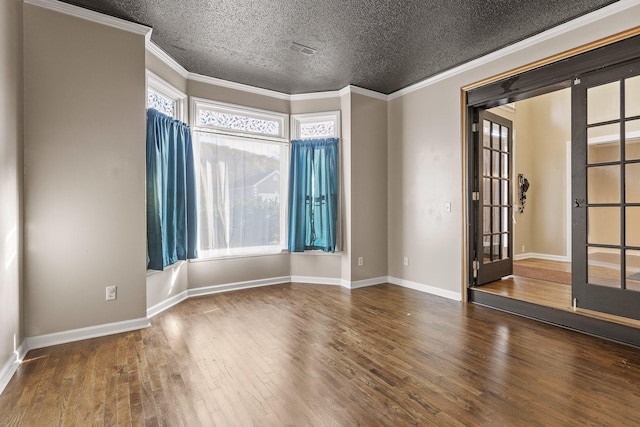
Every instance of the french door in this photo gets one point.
(606, 190)
(492, 198)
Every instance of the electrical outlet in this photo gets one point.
(406, 260)
(111, 293)
(360, 260)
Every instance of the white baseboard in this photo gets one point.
(336, 281)
(318, 280)
(208, 290)
(548, 257)
(11, 366)
(64, 337)
(167, 304)
(456, 296)
(369, 282)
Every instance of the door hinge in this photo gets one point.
(475, 195)
(474, 127)
(476, 267)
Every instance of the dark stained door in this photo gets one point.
(493, 252)
(606, 190)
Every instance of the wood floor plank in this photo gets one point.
(304, 355)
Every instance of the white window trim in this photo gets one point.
(156, 83)
(298, 119)
(200, 103)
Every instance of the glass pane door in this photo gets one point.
(606, 189)
(494, 224)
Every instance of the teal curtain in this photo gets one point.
(171, 192)
(313, 194)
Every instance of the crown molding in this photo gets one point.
(163, 56)
(338, 93)
(550, 34)
(238, 86)
(365, 92)
(90, 15)
(314, 95)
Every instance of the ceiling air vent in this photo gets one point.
(306, 50)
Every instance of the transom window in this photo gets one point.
(315, 125)
(233, 119)
(161, 103)
(164, 97)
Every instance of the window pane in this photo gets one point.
(505, 246)
(505, 139)
(632, 140)
(486, 133)
(604, 144)
(317, 130)
(633, 226)
(496, 191)
(633, 270)
(238, 122)
(505, 166)
(496, 247)
(495, 219)
(603, 103)
(495, 136)
(603, 184)
(604, 225)
(505, 193)
(486, 191)
(496, 164)
(632, 96)
(161, 103)
(486, 220)
(604, 267)
(486, 162)
(632, 183)
(486, 245)
(239, 195)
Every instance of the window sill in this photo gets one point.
(168, 267)
(236, 256)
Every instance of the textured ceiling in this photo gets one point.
(381, 45)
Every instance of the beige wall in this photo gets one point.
(165, 72)
(85, 173)
(368, 171)
(11, 138)
(426, 159)
(233, 96)
(237, 270)
(345, 186)
(425, 172)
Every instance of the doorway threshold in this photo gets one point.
(620, 329)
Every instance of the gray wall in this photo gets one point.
(84, 172)
(11, 138)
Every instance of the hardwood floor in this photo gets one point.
(325, 356)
